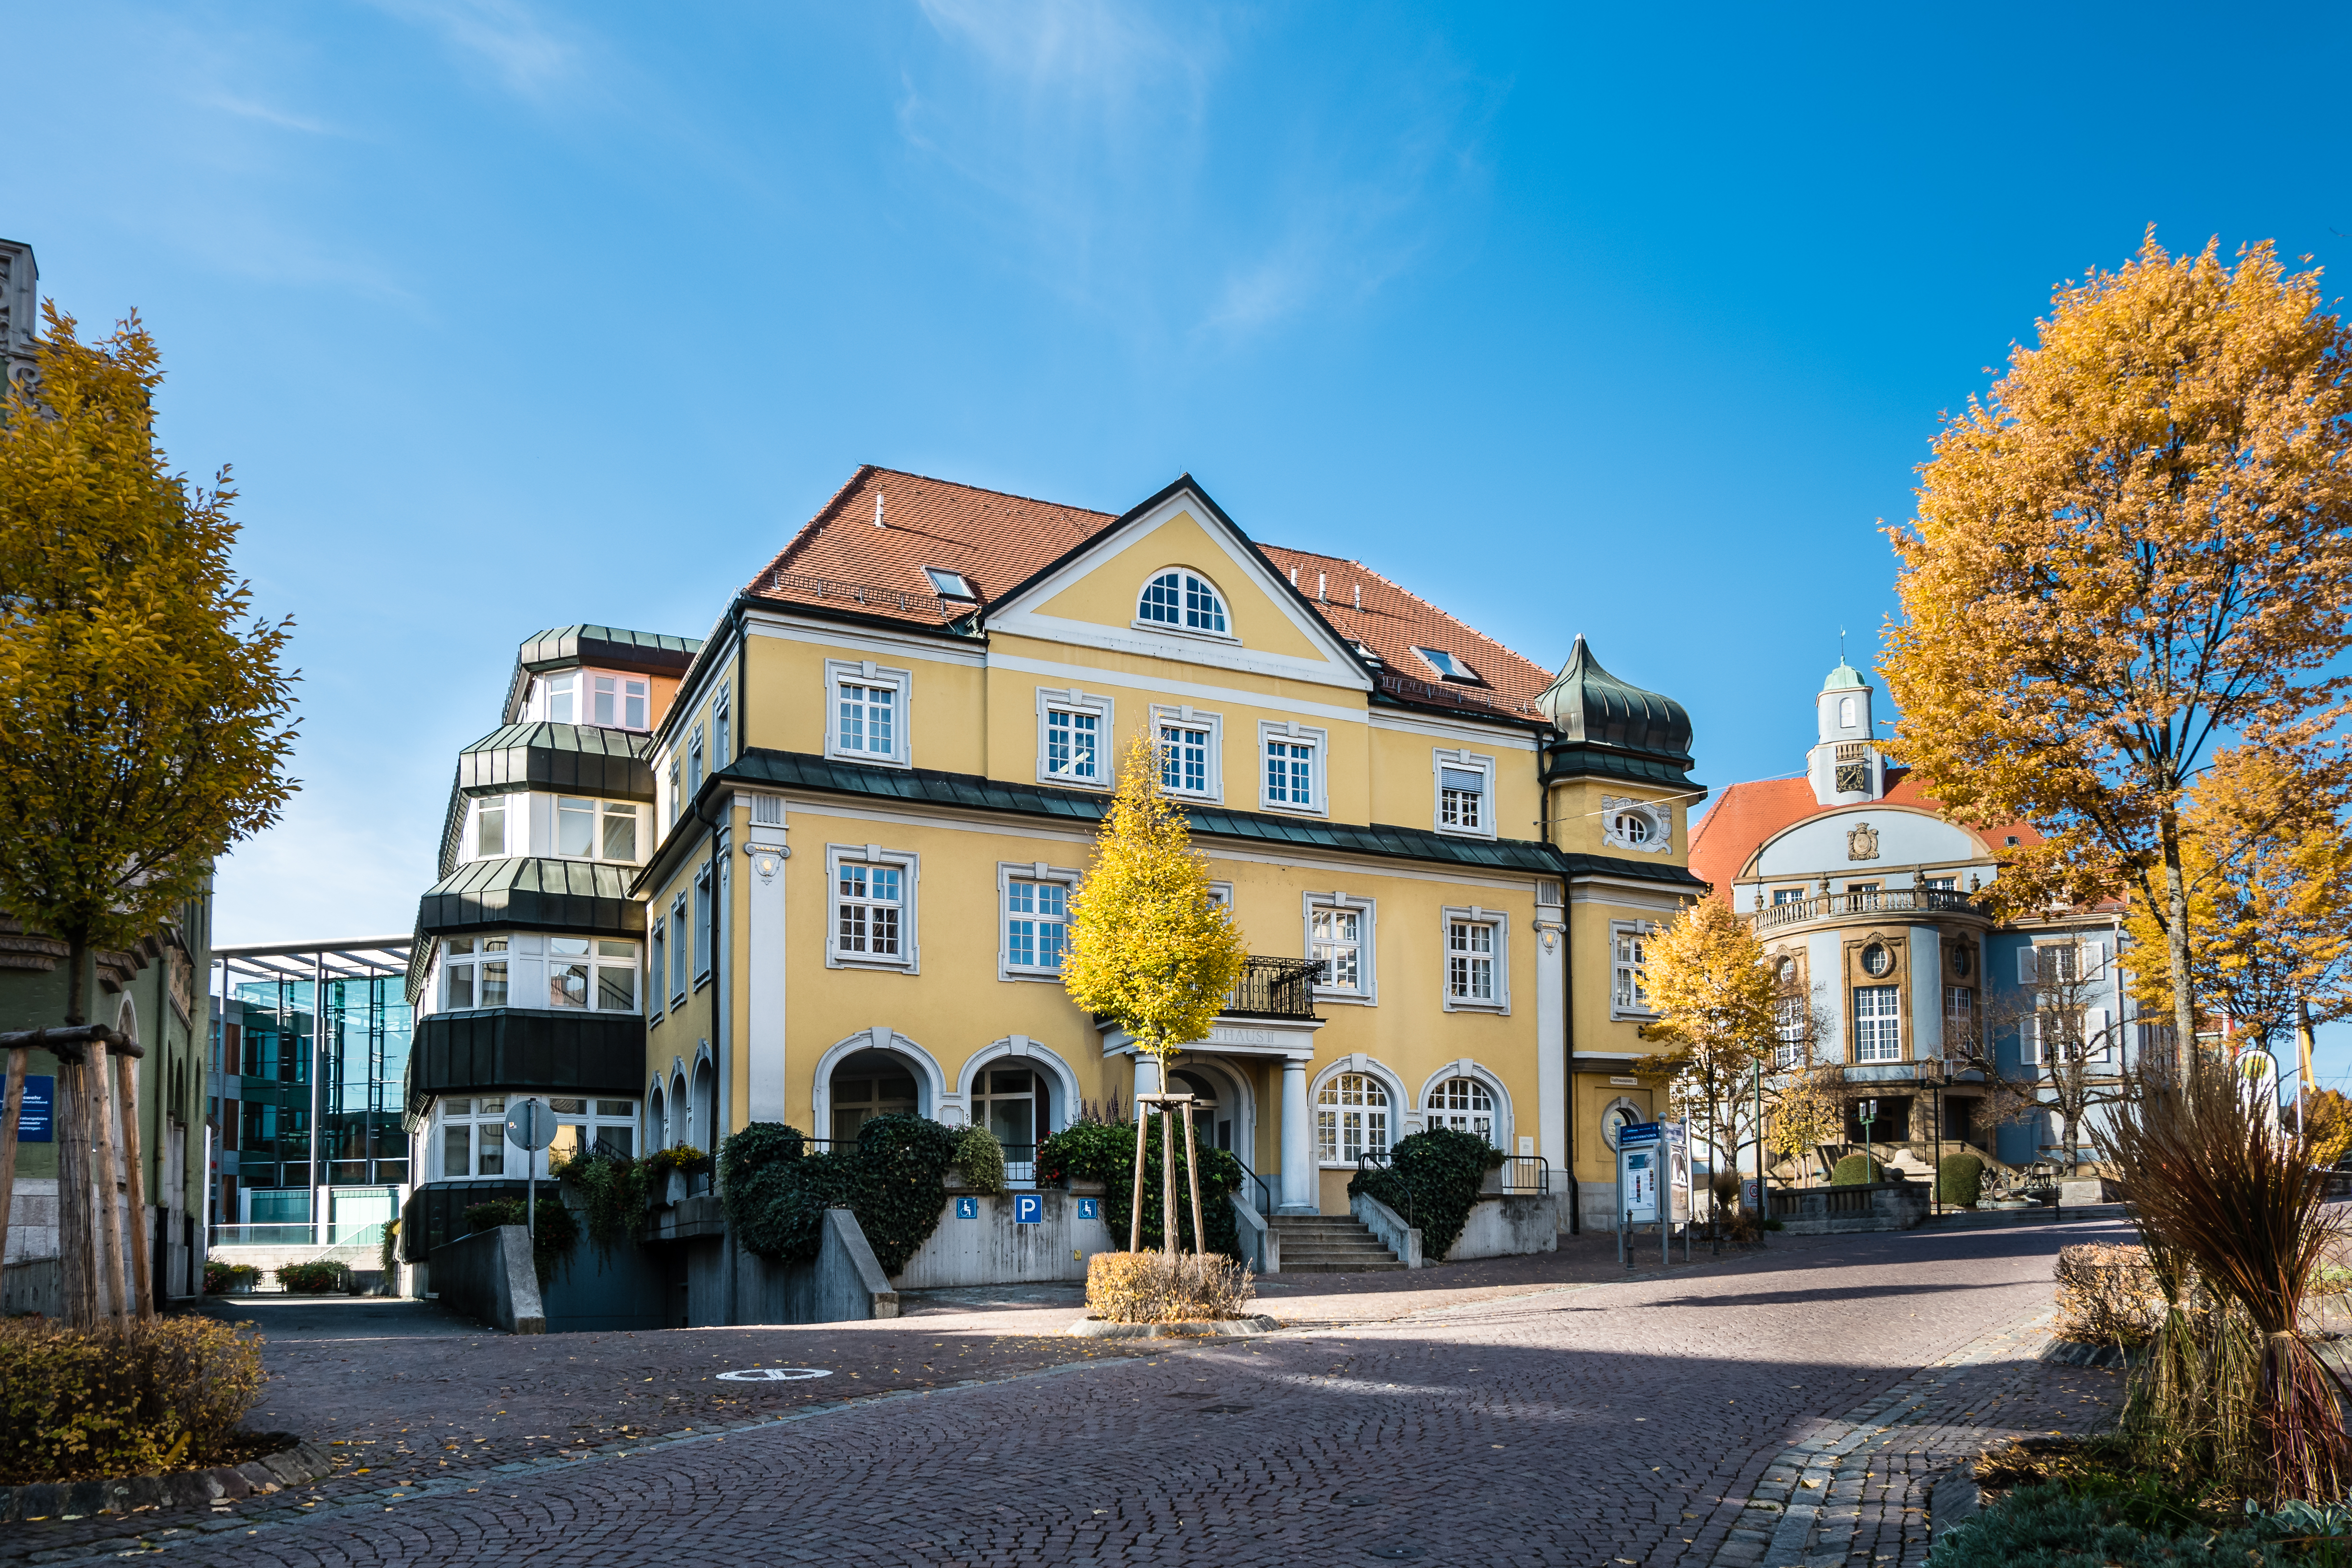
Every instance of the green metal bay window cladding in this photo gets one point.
(568, 896)
(612, 763)
(515, 1051)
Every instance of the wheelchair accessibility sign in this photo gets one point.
(1090, 1208)
(1028, 1208)
(967, 1208)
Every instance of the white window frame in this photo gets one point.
(907, 959)
(679, 980)
(1366, 991)
(722, 726)
(705, 890)
(1291, 732)
(477, 952)
(1007, 873)
(1892, 991)
(1471, 914)
(1433, 1115)
(507, 824)
(475, 1120)
(1049, 702)
(1463, 760)
(1642, 930)
(841, 673)
(622, 680)
(1177, 628)
(656, 993)
(1390, 1112)
(1195, 718)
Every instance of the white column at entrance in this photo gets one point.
(1146, 1075)
(1299, 1196)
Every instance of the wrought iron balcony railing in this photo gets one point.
(1274, 988)
(1867, 901)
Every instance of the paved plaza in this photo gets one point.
(1779, 1408)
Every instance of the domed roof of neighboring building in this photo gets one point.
(1605, 717)
(1844, 675)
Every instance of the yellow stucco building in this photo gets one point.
(884, 768)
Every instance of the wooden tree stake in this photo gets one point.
(12, 1110)
(142, 1283)
(1192, 1173)
(109, 1228)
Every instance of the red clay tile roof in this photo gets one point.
(1746, 814)
(841, 561)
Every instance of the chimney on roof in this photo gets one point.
(877, 508)
(1320, 579)
(1359, 595)
(1293, 576)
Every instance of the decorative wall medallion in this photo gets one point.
(766, 859)
(1636, 824)
(1861, 843)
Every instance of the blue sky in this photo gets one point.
(514, 314)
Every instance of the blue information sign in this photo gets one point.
(1090, 1208)
(38, 1117)
(1028, 1208)
(967, 1208)
(1635, 1133)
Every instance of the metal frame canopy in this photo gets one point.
(358, 958)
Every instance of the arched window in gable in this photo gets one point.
(1178, 598)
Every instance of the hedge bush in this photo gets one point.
(1960, 1179)
(980, 1158)
(324, 1276)
(220, 1276)
(122, 1399)
(615, 1194)
(2048, 1527)
(557, 1231)
(1856, 1171)
(1432, 1178)
(776, 1193)
(1105, 1151)
(1152, 1287)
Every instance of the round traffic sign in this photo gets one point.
(530, 1124)
(773, 1374)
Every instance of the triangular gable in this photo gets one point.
(1088, 595)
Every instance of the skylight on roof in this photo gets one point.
(1448, 668)
(948, 584)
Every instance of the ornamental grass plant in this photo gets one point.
(2232, 1212)
(1153, 1288)
(122, 1398)
(2108, 1295)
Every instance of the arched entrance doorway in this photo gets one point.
(869, 1084)
(1220, 1108)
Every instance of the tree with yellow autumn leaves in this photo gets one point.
(1718, 1007)
(1150, 949)
(2134, 551)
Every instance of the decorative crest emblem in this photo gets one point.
(1861, 843)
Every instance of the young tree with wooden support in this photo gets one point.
(1153, 952)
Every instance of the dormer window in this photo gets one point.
(1364, 652)
(948, 584)
(1447, 666)
(583, 697)
(563, 698)
(1180, 599)
(619, 702)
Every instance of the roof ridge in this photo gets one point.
(991, 490)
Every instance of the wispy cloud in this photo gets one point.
(531, 56)
(1138, 162)
(250, 108)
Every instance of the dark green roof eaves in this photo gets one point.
(578, 897)
(1577, 864)
(1572, 759)
(800, 770)
(614, 764)
(653, 653)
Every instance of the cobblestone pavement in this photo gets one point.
(1577, 1420)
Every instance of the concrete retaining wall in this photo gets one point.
(1389, 1226)
(845, 1283)
(994, 1249)
(1834, 1210)
(1508, 1226)
(1261, 1242)
(487, 1277)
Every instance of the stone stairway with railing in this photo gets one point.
(1331, 1244)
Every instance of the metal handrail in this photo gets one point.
(1373, 1160)
(1526, 1173)
(1265, 1192)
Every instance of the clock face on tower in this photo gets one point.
(1852, 777)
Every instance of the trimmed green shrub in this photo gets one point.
(1856, 1171)
(557, 1231)
(2048, 1527)
(221, 1278)
(122, 1398)
(1105, 1151)
(1432, 1178)
(980, 1158)
(776, 1193)
(1960, 1179)
(326, 1277)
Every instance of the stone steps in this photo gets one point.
(1331, 1244)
